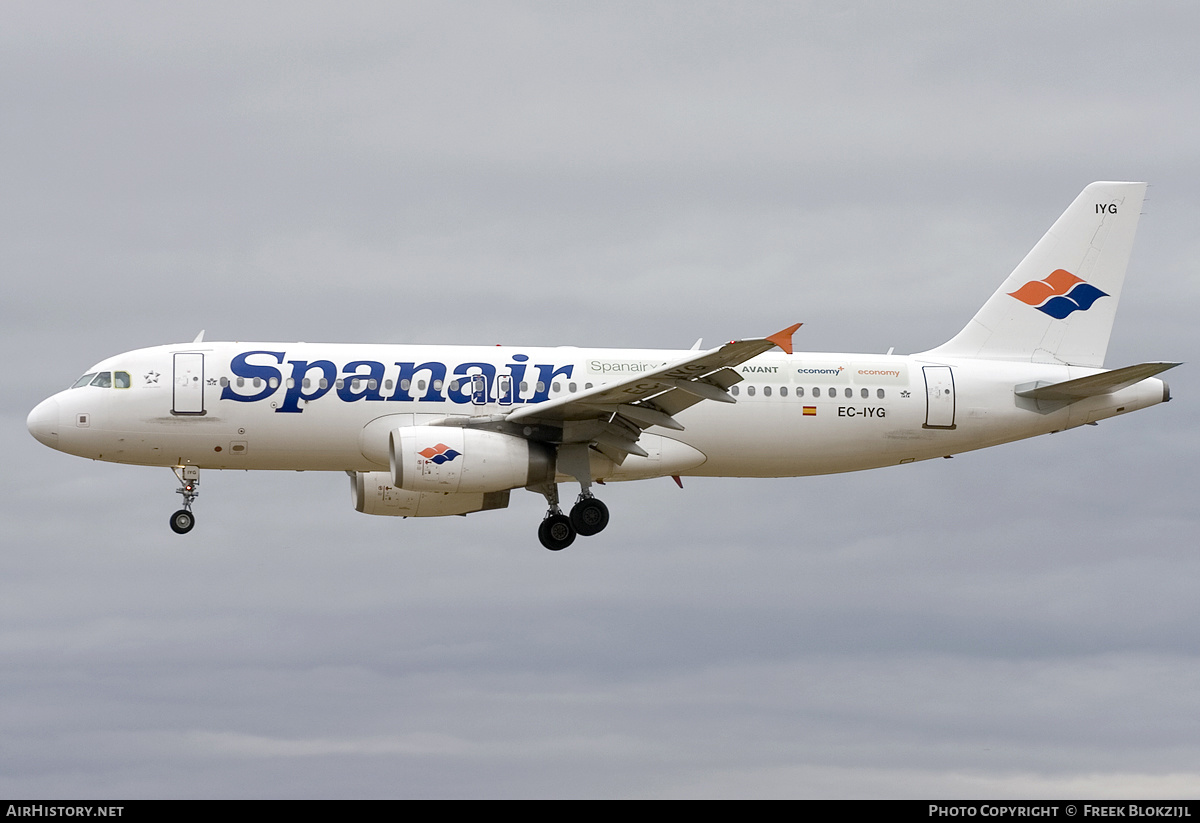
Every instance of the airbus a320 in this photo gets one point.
(430, 431)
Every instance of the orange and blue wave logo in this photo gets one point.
(439, 454)
(1059, 295)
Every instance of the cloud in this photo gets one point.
(1013, 622)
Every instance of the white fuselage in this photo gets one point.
(331, 407)
(432, 431)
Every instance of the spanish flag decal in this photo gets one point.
(810, 411)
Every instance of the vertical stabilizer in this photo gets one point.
(1059, 304)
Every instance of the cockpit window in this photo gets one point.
(104, 380)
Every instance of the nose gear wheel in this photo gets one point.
(183, 520)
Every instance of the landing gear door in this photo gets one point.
(939, 397)
(188, 385)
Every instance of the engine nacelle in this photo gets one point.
(461, 460)
(374, 493)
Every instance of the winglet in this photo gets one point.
(783, 339)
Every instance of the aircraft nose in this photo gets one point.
(43, 422)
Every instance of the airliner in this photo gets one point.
(431, 431)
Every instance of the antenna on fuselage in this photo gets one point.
(199, 337)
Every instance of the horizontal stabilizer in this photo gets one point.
(1096, 384)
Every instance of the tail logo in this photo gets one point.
(439, 454)
(1059, 295)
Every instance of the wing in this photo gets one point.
(612, 416)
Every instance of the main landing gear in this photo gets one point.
(588, 516)
(556, 531)
(189, 481)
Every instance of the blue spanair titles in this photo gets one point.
(471, 382)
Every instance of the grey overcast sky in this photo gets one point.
(1017, 622)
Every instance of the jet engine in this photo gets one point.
(461, 460)
(374, 493)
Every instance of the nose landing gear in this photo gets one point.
(183, 520)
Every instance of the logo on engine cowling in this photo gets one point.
(439, 454)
